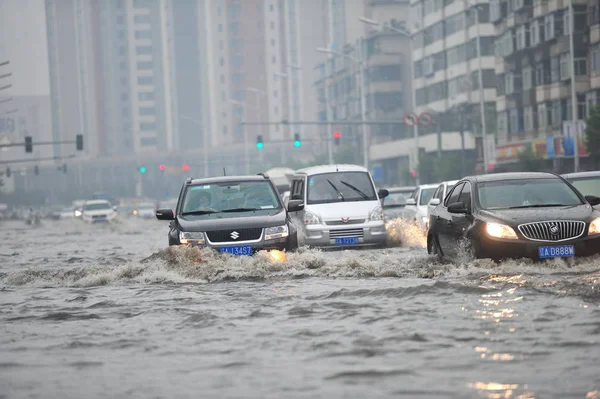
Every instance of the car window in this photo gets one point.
(96, 206)
(465, 195)
(426, 195)
(225, 196)
(452, 197)
(439, 193)
(587, 186)
(340, 186)
(526, 193)
(397, 198)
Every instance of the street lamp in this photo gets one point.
(363, 108)
(413, 77)
(258, 93)
(573, 93)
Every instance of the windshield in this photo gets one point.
(526, 193)
(426, 195)
(96, 207)
(588, 185)
(146, 205)
(247, 196)
(397, 198)
(339, 187)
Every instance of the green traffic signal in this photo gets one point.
(297, 143)
(142, 169)
(260, 145)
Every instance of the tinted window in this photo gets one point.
(219, 197)
(453, 195)
(298, 189)
(587, 186)
(426, 195)
(96, 207)
(340, 186)
(526, 193)
(439, 193)
(397, 198)
(465, 195)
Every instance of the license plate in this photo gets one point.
(238, 250)
(556, 252)
(346, 241)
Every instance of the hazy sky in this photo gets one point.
(23, 43)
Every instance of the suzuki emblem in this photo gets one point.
(345, 220)
(235, 235)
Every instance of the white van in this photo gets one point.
(341, 206)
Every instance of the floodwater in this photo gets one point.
(111, 312)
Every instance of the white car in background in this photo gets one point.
(97, 211)
(439, 195)
(145, 210)
(415, 210)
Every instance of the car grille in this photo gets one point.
(96, 217)
(346, 233)
(341, 223)
(553, 230)
(228, 235)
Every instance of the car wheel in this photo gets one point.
(433, 246)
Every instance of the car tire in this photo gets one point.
(433, 247)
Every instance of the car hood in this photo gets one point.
(99, 212)
(231, 221)
(338, 210)
(515, 217)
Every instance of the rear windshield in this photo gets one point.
(524, 193)
(96, 207)
(339, 187)
(587, 185)
(427, 195)
(397, 198)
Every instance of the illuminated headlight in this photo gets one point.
(376, 214)
(424, 219)
(77, 213)
(189, 237)
(272, 233)
(594, 227)
(311, 218)
(497, 230)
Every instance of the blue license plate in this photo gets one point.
(346, 241)
(556, 252)
(238, 250)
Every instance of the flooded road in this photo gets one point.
(111, 312)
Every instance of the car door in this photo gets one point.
(459, 222)
(444, 221)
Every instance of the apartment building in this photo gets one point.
(534, 76)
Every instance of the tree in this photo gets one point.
(529, 161)
(592, 132)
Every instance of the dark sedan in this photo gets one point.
(515, 215)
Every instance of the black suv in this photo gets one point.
(235, 214)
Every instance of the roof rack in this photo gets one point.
(188, 181)
(266, 176)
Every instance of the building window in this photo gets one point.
(549, 26)
(234, 28)
(554, 69)
(580, 67)
(509, 83)
(222, 79)
(502, 122)
(274, 60)
(220, 27)
(555, 117)
(143, 50)
(145, 80)
(521, 37)
(143, 34)
(272, 25)
(540, 74)
(147, 127)
(596, 59)
(271, 8)
(527, 78)
(146, 96)
(513, 120)
(147, 111)
(494, 10)
(273, 42)
(142, 19)
(517, 4)
(566, 25)
(542, 115)
(144, 65)
(528, 118)
(534, 33)
(565, 66)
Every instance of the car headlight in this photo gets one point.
(501, 231)
(188, 237)
(594, 227)
(376, 214)
(272, 233)
(311, 218)
(77, 213)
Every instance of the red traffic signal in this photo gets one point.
(414, 174)
(185, 167)
(162, 167)
(337, 135)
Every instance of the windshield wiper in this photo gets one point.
(536, 206)
(341, 196)
(365, 196)
(198, 213)
(240, 210)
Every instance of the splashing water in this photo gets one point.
(401, 232)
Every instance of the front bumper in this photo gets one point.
(368, 234)
(279, 244)
(494, 248)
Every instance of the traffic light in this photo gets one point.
(142, 169)
(8, 172)
(414, 175)
(297, 142)
(185, 167)
(162, 167)
(36, 170)
(79, 142)
(28, 144)
(259, 142)
(336, 137)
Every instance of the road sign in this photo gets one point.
(425, 119)
(410, 119)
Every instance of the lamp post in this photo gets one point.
(573, 92)
(413, 77)
(363, 108)
(258, 93)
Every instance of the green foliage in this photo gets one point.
(592, 132)
(446, 167)
(529, 161)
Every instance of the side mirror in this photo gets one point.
(295, 205)
(434, 202)
(457, 207)
(114, 208)
(593, 200)
(165, 214)
(383, 193)
(411, 201)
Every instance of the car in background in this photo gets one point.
(396, 201)
(415, 210)
(439, 195)
(145, 210)
(588, 183)
(342, 208)
(62, 214)
(239, 215)
(98, 211)
(515, 215)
